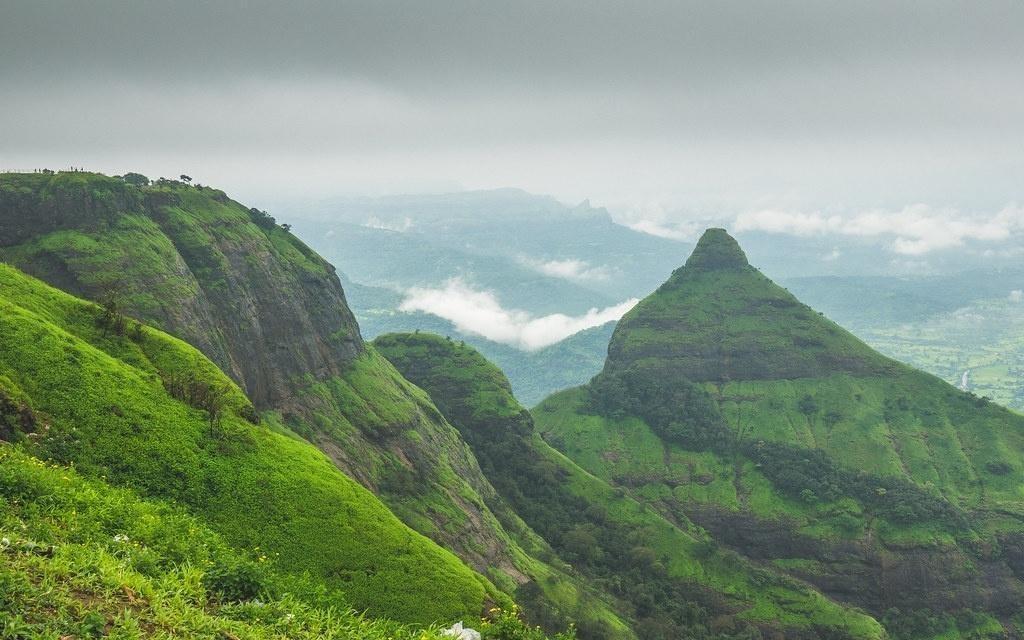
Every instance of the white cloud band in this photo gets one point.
(480, 313)
(918, 229)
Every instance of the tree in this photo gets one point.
(111, 318)
(186, 179)
(807, 405)
(213, 400)
(136, 179)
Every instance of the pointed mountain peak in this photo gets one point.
(717, 318)
(717, 250)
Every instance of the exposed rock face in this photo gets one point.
(252, 297)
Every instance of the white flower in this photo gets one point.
(5, 542)
(122, 538)
(460, 632)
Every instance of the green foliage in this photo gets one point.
(507, 625)
(677, 409)
(724, 396)
(719, 319)
(683, 413)
(237, 581)
(811, 475)
(269, 310)
(923, 624)
(135, 179)
(81, 559)
(16, 415)
(262, 219)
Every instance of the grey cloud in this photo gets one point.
(617, 100)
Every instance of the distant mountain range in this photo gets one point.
(542, 257)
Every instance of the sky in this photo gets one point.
(661, 111)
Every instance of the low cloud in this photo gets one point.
(683, 231)
(480, 313)
(571, 269)
(915, 230)
(377, 223)
(832, 256)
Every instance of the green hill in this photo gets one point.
(131, 408)
(660, 572)
(272, 314)
(725, 399)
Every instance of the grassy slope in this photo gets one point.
(719, 319)
(778, 372)
(106, 409)
(79, 558)
(477, 398)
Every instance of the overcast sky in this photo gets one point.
(642, 106)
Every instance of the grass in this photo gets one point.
(106, 409)
(484, 395)
(82, 559)
(79, 558)
(732, 323)
(269, 311)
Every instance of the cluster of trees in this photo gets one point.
(262, 219)
(675, 408)
(111, 319)
(812, 475)
(211, 397)
(139, 180)
(921, 624)
(135, 179)
(265, 221)
(681, 412)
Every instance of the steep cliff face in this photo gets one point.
(272, 314)
(250, 295)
